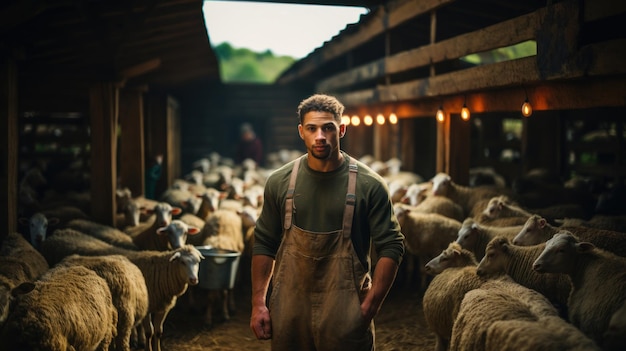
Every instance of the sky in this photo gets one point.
(285, 29)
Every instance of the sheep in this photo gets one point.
(222, 230)
(130, 216)
(598, 281)
(177, 233)
(103, 232)
(416, 193)
(468, 198)
(496, 315)
(438, 204)
(615, 335)
(425, 234)
(128, 290)
(210, 202)
(500, 211)
(455, 274)
(501, 257)
(38, 227)
(167, 273)
(15, 245)
(68, 308)
(475, 236)
(186, 200)
(146, 237)
(537, 230)
(607, 222)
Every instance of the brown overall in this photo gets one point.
(319, 284)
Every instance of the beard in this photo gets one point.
(320, 154)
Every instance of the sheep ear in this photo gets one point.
(176, 210)
(584, 247)
(542, 222)
(193, 231)
(161, 230)
(175, 256)
(22, 289)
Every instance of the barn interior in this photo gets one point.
(107, 85)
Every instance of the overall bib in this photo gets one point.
(319, 283)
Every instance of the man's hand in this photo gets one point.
(260, 323)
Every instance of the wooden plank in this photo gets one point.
(459, 149)
(132, 158)
(8, 147)
(103, 115)
(139, 69)
(499, 35)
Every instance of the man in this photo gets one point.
(250, 146)
(320, 215)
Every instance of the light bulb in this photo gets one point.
(393, 119)
(380, 119)
(368, 120)
(440, 115)
(527, 109)
(465, 113)
(345, 120)
(355, 120)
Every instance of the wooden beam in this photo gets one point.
(139, 69)
(132, 154)
(8, 146)
(598, 9)
(103, 101)
(499, 35)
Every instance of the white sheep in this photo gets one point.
(128, 290)
(465, 196)
(438, 204)
(38, 227)
(146, 236)
(103, 232)
(475, 236)
(537, 230)
(501, 257)
(425, 234)
(68, 308)
(15, 245)
(501, 211)
(455, 274)
(598, 281)
(500, 315)
(186, 200)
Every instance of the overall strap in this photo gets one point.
(348, 213)
(290, 192)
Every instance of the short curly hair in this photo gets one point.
(321, 102)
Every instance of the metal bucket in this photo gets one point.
(218, 270)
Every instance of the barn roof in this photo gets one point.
(163, 43)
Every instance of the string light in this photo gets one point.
(345, 120)
(355, 121)
(527, 109)
(440, 115)
(380, 119)
(368, 120)
(393, 119)
(465, 112)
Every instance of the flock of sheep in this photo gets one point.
(534, 267)
(508, 270)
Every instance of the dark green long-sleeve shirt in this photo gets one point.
(319, 202)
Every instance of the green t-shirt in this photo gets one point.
(319, 203)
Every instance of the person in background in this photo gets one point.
(153, 173)
(250, 145)
(321, 213)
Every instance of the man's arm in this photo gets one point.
(260, 322)
(384, 275)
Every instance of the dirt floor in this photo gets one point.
(399, 326)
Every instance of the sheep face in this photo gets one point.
(468, 235)
(188, 259)
(494, 261)
(164, 212)
(560, 252)
(441, 184)
(177, 232)
(448, 258)
(530, 234)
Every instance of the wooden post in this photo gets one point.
(8, 146)
(132, 156)
(103, 101)
(459, 149)
(443, 144)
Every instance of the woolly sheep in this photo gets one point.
(537, 230)
(128, 290)
(500, 211)
(416, 193)
(465, 196)
(493, 316)
(425, 234)
(177, 233)
(37, 227)
(438, 204)
(15, 245)
(167, 273)
(455, 275)
(185, 200)
(146, 237)
(501, 257)
(210, 202)
(588, 267)
(68, 308)
(475, 236)
(103, 232)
